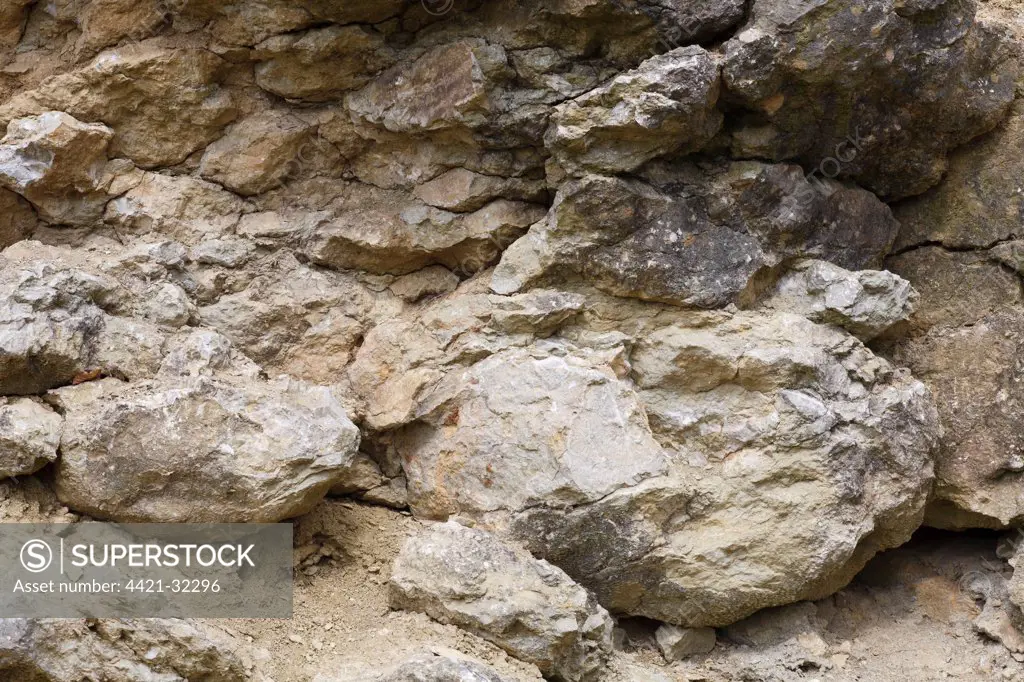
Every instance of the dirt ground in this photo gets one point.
(904, 619)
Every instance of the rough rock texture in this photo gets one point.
(866, 303)
(665, 106)
(875, 92)
(119, 651)
(960, 252)
(200, 451)
(677, 643)
(695, 236)
(29, 436)
(247, 260)
(527, 607)
(58, 164)
(430, 667)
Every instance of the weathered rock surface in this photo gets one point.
(162, 104)
(29, 436)
(878, 93)
(865, 303)
(321, 64)
(59, 164)
(665, 106)
(201, 450)
(256, 154)
(962, 255)
(527, 607)
(613, 447)
(119, 651)
(382, 232)
(695, 237)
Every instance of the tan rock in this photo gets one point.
(463, 190)
(162, 104)
(17, 219)
(266, 451)
(256, 154)
(181, 207)
(321, 64)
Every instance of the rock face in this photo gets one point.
(961, 253)
(594, 279)
(119, 651)
(527, 607)
(616, 464)
(693, 237)
(201, 451)
(819, 82)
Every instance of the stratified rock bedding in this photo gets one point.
(593, 278)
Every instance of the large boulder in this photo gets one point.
(687, 466)
(877, 92)
(200, 450)
(530, 608)
(695, 236)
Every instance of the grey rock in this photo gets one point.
(29, 436)
(677, 643)
(695, 237)
(58, 164)
(667, 105)
(530, 608)
(866, 303)
(44, 650)
(876, 92)
(200, 450)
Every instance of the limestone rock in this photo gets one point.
(382, 232)
(437, 665)
(434, 280)
(49, 325)
(321, 64)
(541, 425)
(58, 163)
(162, 104)
(445, 88)
(180, 207)
(435, 668)
(677, 643)
(818, 79)
(106, 22)
(665, 106)
(29, 436)
(528, 607)
(802, 451)
(865, 303)
(256, 154)
(200, 450)
(463, 190)
(44, 650)
(703, 239)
